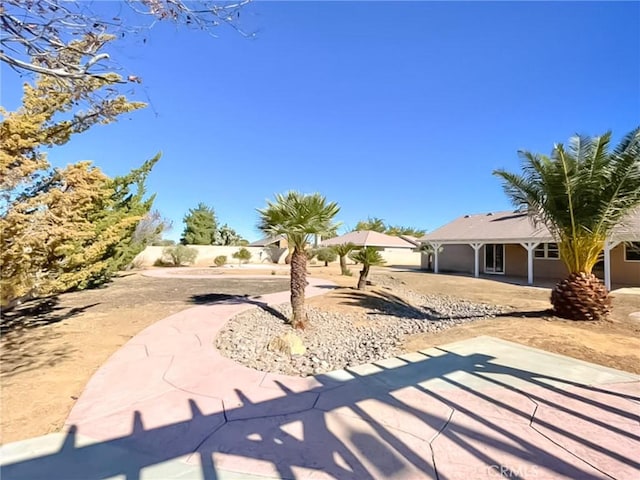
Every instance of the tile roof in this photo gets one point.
(368, 238)
(266, 241)
(500, 227)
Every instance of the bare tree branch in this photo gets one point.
(35, 32)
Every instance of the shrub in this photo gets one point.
(220, 260)
(178, 255)
(326, 255)
(242, 255)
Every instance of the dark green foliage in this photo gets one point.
(326, 255)
(220, 260)
(128, 200)
(201, 226)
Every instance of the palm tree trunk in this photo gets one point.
(581, 296)
(343, 264)
(298, 285)
(362, 281)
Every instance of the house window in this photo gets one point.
(632, 251)
(547, 250)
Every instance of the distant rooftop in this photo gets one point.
(266, 241)
(369, 238)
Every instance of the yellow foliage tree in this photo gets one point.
(57, 224)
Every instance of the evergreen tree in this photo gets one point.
(200, 226)
(57, 224)
(126, 201)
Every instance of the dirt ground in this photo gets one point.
(50, 353)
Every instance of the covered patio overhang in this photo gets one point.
(529, 244)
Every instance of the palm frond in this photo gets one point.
(298, 217)
(367, 256)
(580, 192)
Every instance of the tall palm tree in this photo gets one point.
(298, 217)
(580, 193)
(368, 257)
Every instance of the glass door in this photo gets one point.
(494, 258)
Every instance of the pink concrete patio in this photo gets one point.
(483, 408)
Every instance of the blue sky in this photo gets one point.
(394, 110)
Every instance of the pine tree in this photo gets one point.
(58, 225)
(127, 201)
(200, 226)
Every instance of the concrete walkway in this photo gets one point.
(167, 405)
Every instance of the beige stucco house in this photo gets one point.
(508, 243)
(397, 251)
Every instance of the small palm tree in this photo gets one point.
(298, 217)
(580, 194)
(368, 257)
(342, 251)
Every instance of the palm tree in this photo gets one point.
(342, 251)
(368, 257)
(580, 193)
(298, 217)
(374, 224)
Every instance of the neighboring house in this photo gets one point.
(411, 239)
(394, 250)
(508, 243)
(274, 249)
(279, 241)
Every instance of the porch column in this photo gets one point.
(530, 247)
(436, 247)
(608, 246)
(476, 252)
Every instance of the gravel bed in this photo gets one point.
(338, 340)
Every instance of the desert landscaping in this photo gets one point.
(47, 361)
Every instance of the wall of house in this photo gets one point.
(516, 264)
(405, 257)
(453, 258)
(460, 259)
(206, 254)
(624, 273)
(515, 260)
(549, 268)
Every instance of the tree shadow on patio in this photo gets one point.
(433, 415)
(211, 298)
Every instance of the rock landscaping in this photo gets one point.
(337, 340)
